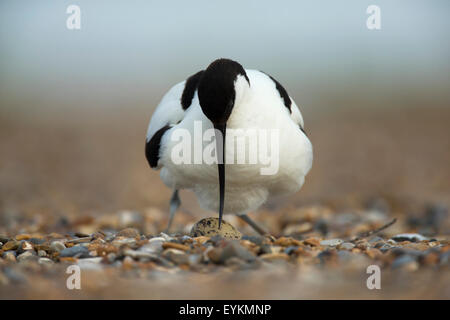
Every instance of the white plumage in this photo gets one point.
(258, 105)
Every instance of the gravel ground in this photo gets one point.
(315, 249)
(61, 192)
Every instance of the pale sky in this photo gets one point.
(130, 52)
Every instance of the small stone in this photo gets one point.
(231, 249)
(128, 233)
(376, 239)
(90, 263)
(186, 239)
(331, 242)
(312, 242)
(286, 242)
(9, 256)
(347, 246)
(42, 253)
(69, 260)
(210, 227)
(45, 261)
(57, 246)
(157, 239)
(11, 245)
(165, 236)
(174, 245)
(139, 254)
(201, 239)
(274, 256)
(111, 257)
(27, 255)
(128, 263)
(176, 256)
(291, 250)
(153, 247)
(265, 248)
(25, 246)
(77, 251)
(24, 236)
(413, 237)
(373, 253)
(258, 240)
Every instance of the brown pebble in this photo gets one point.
(128, 233)
(174, 245)
(312, 242)
(287, 241)
(274, 256)
(23, 236)
(10, 245)
(373, 253)
(201, 239)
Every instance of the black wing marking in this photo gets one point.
(152, 147)
(189, 89)
(282, 91)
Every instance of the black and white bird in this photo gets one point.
(227, 96)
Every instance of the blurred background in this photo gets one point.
(75, 104)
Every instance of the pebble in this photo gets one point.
(77, 251)
(42, 253)
(287, 241)
(258, 240)
(376, 239)
(25, 246)
(265, 248)
(210, 227)
(274, 256)
(45, 261)
(90, 263)
(165, 236)
(27, 255)
(9, 256)
(57, 246)
(413, 237)
(152, 247)
(176, 256)
(331, 242)
(175, 245)
(232, 249)
(128, 233)
(312, 242)
(11, 245)
(24, 236)
(347, 246)
(139, 254)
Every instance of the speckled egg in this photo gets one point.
(210, 227)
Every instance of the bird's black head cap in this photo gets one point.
(216, 89)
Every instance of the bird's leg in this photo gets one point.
(174, 205)
(253, 224)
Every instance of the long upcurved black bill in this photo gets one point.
(220, 148)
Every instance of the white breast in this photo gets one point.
(260, 108)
